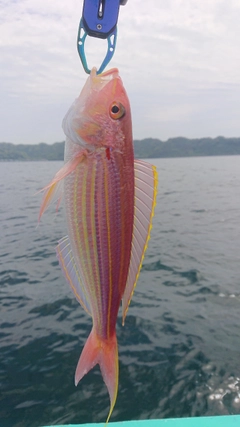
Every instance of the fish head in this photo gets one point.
(100, 117)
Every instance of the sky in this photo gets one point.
(179, 61)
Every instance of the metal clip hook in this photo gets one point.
(99, 19)
(111, 39)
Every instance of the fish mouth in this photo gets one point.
(81, 123)
(105, 73)
(103, 78)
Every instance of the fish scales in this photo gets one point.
(100, 212)
(109, 201)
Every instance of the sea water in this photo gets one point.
(179, 350)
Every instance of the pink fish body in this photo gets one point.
(109, 201)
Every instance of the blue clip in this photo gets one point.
(111, 39)
(99, 19)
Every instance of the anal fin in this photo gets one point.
(71, 272)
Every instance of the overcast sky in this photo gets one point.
(179, 61)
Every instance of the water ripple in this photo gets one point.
(179, 349)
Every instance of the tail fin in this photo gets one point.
(105, 353)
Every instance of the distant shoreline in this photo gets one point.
(146, 148)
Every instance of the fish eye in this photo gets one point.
(116, 110)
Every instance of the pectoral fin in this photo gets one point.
(145, 176)
(71, 272)
(53, 187)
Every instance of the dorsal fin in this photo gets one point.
(145, 176)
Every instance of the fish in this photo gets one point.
(109, 200)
